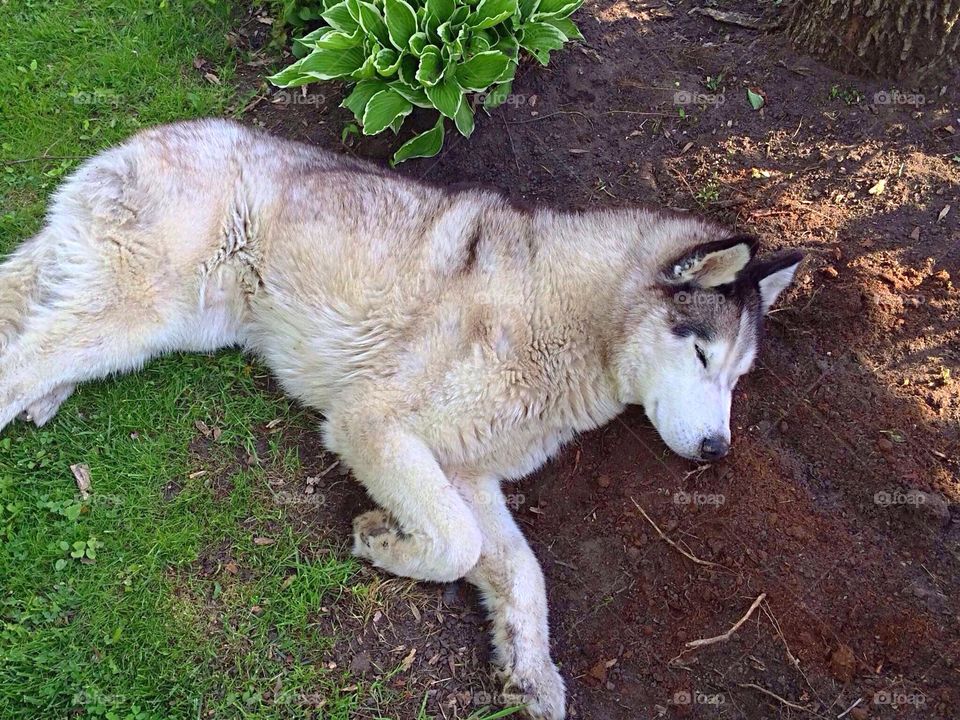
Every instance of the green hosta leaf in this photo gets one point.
(315, 35)
(477, 44)
(509, 47)
(459, 16)
(416, 95)
(401, 22)
(445, 96)
(353, 6)
(431, 66)
(498, 95)
(387, 61)
(509, 73)
(372, 23)
(356, 101)
(291, 76)
(540, 38)
(556, 8)
(340, 18)
(567, 27)
(329, 64)
(418, 41)
(464, 117)
(408, 70)
(447, 33)
(481, 71)
(339, 40)
(491, 12)
(440, 9)
(320, 65)
(366, 71)
(383, 109)
(528, 8)
(426, 144)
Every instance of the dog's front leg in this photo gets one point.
(426, 530)
(512, 587)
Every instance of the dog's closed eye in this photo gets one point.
(701, 355)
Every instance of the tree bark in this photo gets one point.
(915, 41)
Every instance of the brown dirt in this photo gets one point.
(855, 393)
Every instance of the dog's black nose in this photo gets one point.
(714, 448)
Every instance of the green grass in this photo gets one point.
(140, 630)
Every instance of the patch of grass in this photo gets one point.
(849, 95)
(117, 605)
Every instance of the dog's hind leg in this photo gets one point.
(512, 587)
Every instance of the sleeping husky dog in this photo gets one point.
(450, 339)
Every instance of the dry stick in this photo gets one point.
(776, 697)
(726, 636)
(670, 542)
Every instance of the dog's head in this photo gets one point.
(692, 332)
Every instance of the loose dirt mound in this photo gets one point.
(839, 500)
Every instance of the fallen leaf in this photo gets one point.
(202, 427)
(943, 213)
(756, 99)
(686, 147)
(408, 660)
(81, 473)
(263, 541)
(231, 567)
(211, 78)
(915, 235)
(879, 187)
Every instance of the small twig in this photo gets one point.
(727, 635)
(43, 158)
(774, 696)
(859, 700)
(733, 18)
(670, 542)
(549, 115)
(327, 470)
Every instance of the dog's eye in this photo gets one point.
(701, 355)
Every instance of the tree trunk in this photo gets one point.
(912, 41)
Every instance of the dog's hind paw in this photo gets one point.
(43, 410)
(540, 690)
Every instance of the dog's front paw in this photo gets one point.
(540, 689)
(375, 534)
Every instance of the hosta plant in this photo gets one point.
(400, 54)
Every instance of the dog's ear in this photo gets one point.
(773, 276)
(712, 264)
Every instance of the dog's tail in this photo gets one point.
(20, 286)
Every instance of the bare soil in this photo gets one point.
(840, 498)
